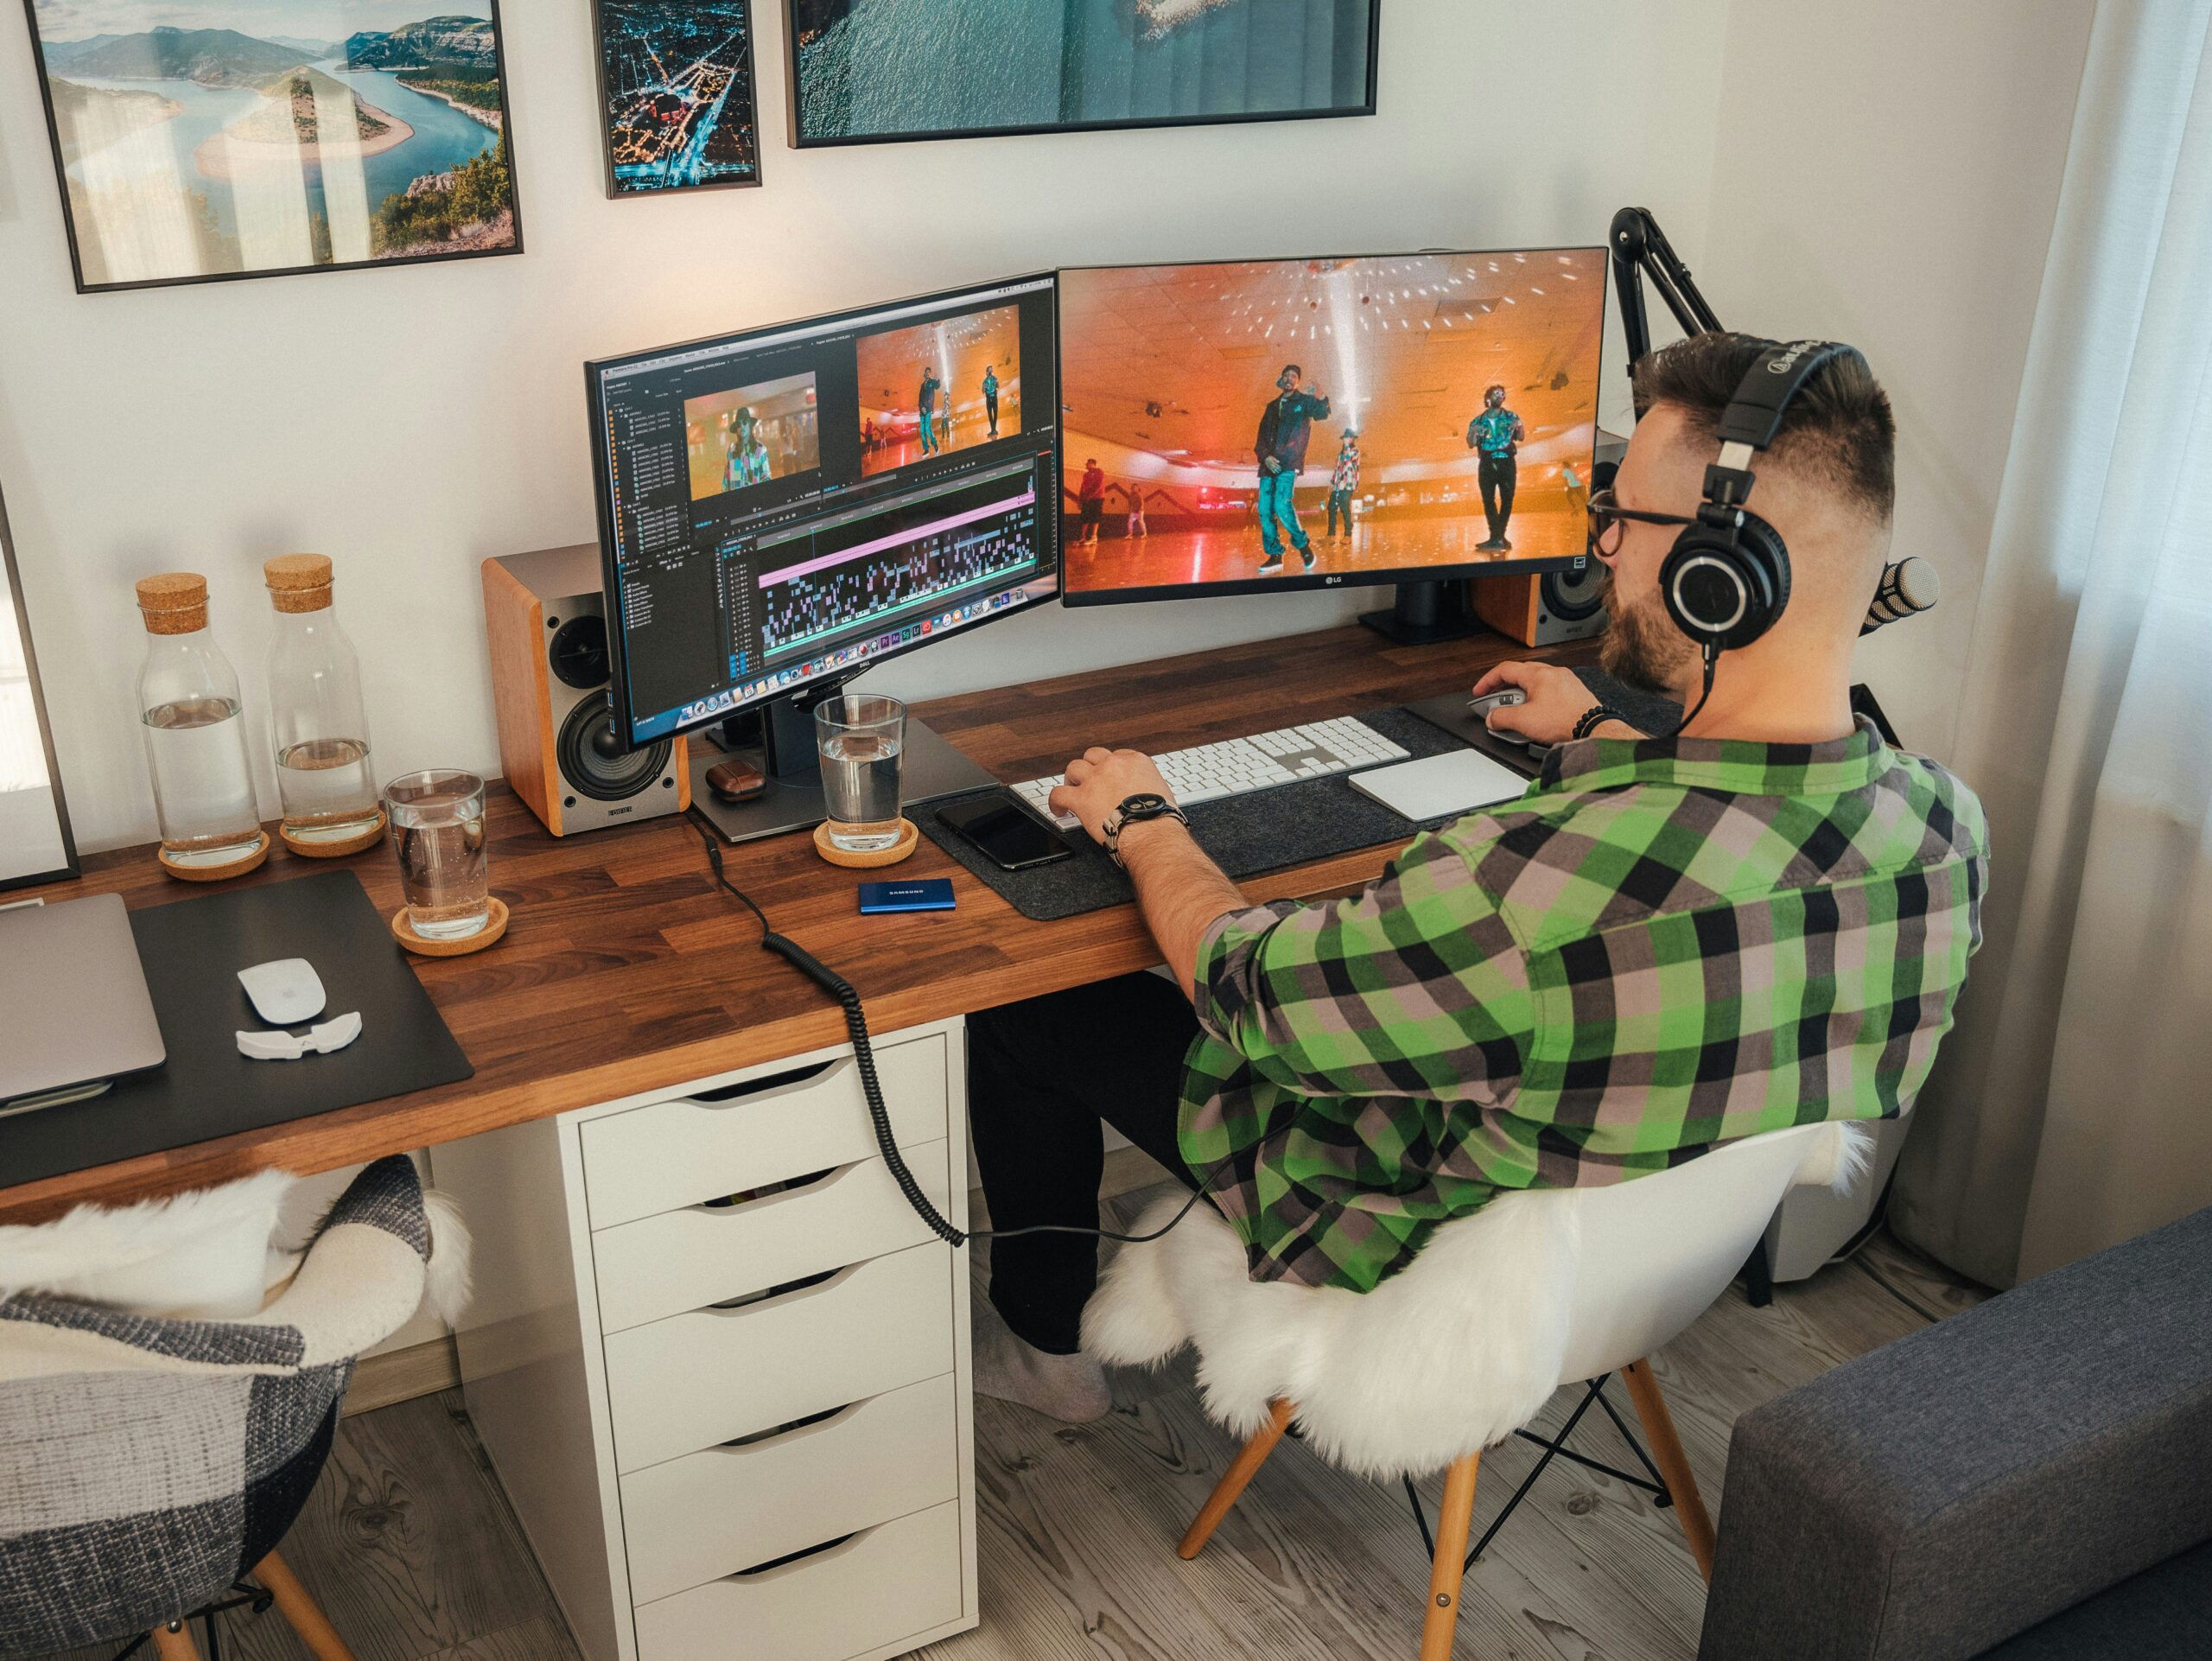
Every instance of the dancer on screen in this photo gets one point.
(1344, 483)
(925, 401)
(991, 396)
(1285, 425)
(1497, 434)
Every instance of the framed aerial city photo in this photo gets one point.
(871, 71)
(197, 140)
(676, 95)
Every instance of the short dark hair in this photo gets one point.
(1290, 369)
(1837, 432)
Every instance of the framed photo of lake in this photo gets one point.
(872, 72)
(676, 95)
(199, 140)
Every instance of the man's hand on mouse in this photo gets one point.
(1100, 780)
(1556, 700)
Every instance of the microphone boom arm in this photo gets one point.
(1641, 251)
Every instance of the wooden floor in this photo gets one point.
(411, 1546)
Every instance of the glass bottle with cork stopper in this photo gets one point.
(319, 730)
(195, 739)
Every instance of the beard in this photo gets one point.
(1643, 648)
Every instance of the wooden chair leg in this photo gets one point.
(175, 1646)
(1673, 1464)
(1453, 1519)
(301, 1609)
(1235, 1479)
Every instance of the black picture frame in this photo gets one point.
(46, 78)
(615, 189)
(18, 617)
(799, 139)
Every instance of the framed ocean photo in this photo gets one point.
(872, 72)
(676, 94)
(200, 140)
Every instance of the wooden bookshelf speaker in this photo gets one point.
(546, 616)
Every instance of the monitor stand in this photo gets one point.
(1425, 613)
(784, 749)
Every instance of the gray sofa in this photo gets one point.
(2028, 1480)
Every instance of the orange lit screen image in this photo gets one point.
(1166, 372)
(750, 435)
(958, 352)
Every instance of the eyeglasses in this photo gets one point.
(1606, 516)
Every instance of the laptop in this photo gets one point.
(75, 1011)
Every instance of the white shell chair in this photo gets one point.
(1464, 1346)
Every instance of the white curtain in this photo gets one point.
(2072, 1108)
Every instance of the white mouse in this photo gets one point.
(285, 992)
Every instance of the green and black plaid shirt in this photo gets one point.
(1663, 945)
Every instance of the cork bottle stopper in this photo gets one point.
(175, 602)
(298, 582)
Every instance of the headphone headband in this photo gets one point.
(1776, 376)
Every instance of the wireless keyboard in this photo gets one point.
(1238, 767)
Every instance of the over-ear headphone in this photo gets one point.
(1726, 579)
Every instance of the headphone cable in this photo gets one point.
(1712, 662)
(848, 999)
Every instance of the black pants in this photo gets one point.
(1040, 1076)
(1339, 499)
(991, 403)
(1497, 476)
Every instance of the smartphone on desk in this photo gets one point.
(1010, 837)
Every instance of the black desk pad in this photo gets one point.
(192, 951)
(1246, 835)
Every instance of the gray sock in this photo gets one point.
(1072, 1388)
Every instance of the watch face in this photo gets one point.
(1150, 801)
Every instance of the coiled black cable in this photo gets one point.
(848, 999)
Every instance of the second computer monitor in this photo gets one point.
(1326, 423)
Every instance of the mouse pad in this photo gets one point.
(192, 951)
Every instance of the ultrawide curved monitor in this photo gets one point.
(1426, 415)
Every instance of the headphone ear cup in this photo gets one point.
(1725, 587)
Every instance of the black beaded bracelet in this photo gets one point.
(1591, 718)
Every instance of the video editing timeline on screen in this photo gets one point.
(782, 506)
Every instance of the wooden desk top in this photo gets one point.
(625, 969)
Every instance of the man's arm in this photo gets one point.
(1180, 891)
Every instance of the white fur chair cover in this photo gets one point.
(1449, 1355)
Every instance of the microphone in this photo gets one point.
(1909, 585)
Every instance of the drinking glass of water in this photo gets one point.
(861, 735)
(437, 830)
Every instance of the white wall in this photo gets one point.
(411, 423)
(1886, 173)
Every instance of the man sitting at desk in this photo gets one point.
(1665, 943)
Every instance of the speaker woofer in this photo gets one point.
(592, 765)
(1572, 596)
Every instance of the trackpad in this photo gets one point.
(1441, 786)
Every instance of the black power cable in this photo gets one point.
(849, 998)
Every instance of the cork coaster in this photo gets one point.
(238, 867)
(340, 849)
(495, 925)
(909, 839)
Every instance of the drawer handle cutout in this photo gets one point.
(837, 1547)
(774, 1190)
(820, 1421)
(804, 1283)
(761, 1086)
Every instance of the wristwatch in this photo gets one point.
(1145, 804)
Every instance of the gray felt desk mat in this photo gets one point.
(1246, 835)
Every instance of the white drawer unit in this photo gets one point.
(682, 1260)
(722, 1367)
(713, 1513)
